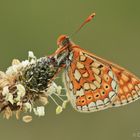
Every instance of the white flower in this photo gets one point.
(17, 99)
(54, 89)
(43, 100)
(2, 75)
(64, 104)
(12, 70)
(15, 62)
(59, 109)
(28, 106)
(25, 63)
(21, 90)
(27, 119)
(31, 54)
(8, 95)
(51, 90)
(5, 91)
(31, 57)
(15, 68)
(19, 103)
(39, 111)
(9, 98)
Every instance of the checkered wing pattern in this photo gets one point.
(95, 84)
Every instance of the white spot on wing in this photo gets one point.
(106, 101)
(79, 65)
(97, 78)
(129, 99)
(92, 105)
(111, 95)
(82, 58)
(70, 86)
(92, 86)
(135, 95)
(96, 70)
(124, 101)
(97, 84)
(77, 75)
(117, 103)
(138, 92)
(99, 103)
(67, 78)
(117, 88)
(79, 107)
(110, 73)
(86, 86)
(115, 78)
(139, 86)
(85, 108)
(85, 75)
(113, 85)
(80, 92)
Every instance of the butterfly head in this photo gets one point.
(64, 46)
(64, 41)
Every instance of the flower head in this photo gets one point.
(27, 85)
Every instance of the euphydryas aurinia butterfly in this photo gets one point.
(93, 83)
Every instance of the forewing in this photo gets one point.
(91, 84)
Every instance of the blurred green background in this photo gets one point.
(114, 34)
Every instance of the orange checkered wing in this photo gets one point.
(94, 84)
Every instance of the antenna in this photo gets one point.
(85, 22)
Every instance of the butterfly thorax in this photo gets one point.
(64, 51)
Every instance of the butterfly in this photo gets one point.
(93, 83)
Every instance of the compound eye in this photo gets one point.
(65, 42)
